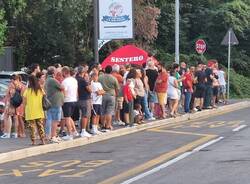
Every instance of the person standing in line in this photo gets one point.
(173, 93)
(110, 86)
(11, 112)
(215, 84)
(188, 90)
(70, 87)
(97, 93)
(148, 114)
(54, 92)
(152, 75)
(34, 69)
(119, 96)
(139, 89)
(161, 87)
(199, 94)
(41, 79)
(222, 87)
(209, 85)
(20, 111)
(84, 96)
(128, 103)
(34, 114)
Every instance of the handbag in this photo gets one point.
(46, 103)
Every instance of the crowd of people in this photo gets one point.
(98, 99)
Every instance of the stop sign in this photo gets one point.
(200, 46)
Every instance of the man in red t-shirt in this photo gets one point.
(161, 87)
(188, 90)
(128, 103)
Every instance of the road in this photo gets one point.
(163, 155)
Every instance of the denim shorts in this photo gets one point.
(152, 97)
(54, 114)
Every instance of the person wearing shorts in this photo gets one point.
(128, 104)
(200, 78)
(84, 96)
(110, 86)
(70, 87)
(96, 95)
(161, 87)
(222, 87)
(152, 75)
(54, 114)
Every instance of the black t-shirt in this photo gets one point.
(152, 76)
(83, 93)
(201, 77)
(182, 71)
(209, 72)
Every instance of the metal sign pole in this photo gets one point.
(177, 31)
(96, 31)
(229, 60)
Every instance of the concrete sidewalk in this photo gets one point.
(14, 149)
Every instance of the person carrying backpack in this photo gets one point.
(14, 109)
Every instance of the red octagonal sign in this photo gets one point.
(200, 46)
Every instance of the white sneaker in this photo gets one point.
(14, 135)
(59, 139)
(85, 134)
(95, 132)
(68, 138)
(151, 119)
(115, 122)
(76, 134)
(120, 123)
(5, 136)
(54, 140)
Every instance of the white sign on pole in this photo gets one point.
(115, 19)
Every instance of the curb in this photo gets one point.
(34, 151)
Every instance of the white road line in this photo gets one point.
(168, 163)
(239, 128)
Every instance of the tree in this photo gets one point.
(3, 28)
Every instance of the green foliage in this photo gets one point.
(239, 86)
(52, 28)
(3, 27)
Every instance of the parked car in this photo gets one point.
(3, 90)
(5, 76)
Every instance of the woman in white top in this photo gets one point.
(173, 93)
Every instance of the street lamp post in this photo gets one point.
(96, 52)
(177, 31)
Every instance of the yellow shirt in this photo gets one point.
(33, 107)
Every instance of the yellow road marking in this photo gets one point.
(78, 175)
(95, 163)
(50, 172)
(183, 133)
(17, 172)
(67, 163)
(162, 158)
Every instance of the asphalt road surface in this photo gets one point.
(214, 150)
